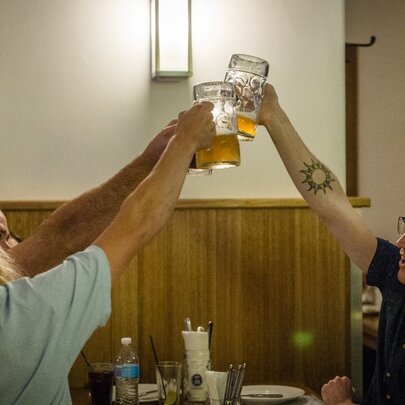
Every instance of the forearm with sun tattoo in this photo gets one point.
(317, 176)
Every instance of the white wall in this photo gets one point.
(381, 108)
(77, 102)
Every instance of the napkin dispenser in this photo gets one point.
(196, 363)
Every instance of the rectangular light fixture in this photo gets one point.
(171, 39)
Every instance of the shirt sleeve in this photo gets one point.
(384, 264)
(79, 292)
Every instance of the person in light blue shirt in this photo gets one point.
(45, 320)
(44, 323)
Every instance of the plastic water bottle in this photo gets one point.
(126, 374)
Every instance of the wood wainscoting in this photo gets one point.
(266, 272)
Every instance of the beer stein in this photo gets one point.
(248, 74)
(193, 171)
(224, 150)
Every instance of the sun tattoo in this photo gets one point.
(318, 177)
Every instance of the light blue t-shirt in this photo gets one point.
(44, 323)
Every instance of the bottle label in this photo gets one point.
(129, 371)
(117, 371)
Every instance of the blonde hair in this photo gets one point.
(8, 269)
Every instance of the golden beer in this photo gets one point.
(224, 149)
(223, 153)
(193, 170)
(248, 74)
(246, 127)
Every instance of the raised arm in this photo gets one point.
(75, 225)
(317, 184)
(147, 209)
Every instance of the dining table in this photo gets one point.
(81, 396)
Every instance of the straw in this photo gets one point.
(153, 349)
(156, 363)
(87, 362)
(210, 326)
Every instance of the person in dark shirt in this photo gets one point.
(382, 263)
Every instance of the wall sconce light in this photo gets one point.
(171, 39)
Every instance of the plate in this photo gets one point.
(288, 393)
(150, 396)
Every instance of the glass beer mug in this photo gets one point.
(248, 74)
(193, 171)
(224, 151)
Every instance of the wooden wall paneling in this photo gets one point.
(177, 273)
(228, 332)
(155, 296)
(336, 267)
(270, 277)
(255, 325)
(124, 317)
(310, 294)
(319, 292)
(25, 222)
(281, 358)
(336, 327)
(20, 223)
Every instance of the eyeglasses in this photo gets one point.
(401, 225)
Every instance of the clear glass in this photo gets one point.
(248, 74)
(224, 151)
(168, 380)
(101, 377)
(192, 170)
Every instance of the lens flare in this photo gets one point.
(303, 339)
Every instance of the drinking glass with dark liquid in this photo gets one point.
(248, 74)
(101, 377)
(224, 151)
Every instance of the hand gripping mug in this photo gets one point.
(224, 151)
(248, 74)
